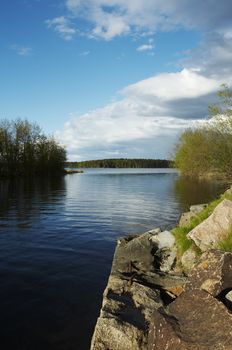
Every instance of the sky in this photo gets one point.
(113, 78)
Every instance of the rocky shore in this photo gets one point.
(158, 298)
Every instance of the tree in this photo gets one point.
(207, 149)
(224, 107)
(24, 149)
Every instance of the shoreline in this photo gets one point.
(151, 287)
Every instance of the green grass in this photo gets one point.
(226, 244)
(180, 233)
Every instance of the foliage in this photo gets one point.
(225, 104)
(25, 150)
(121, 163)
(207, 149)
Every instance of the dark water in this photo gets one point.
(57, 238)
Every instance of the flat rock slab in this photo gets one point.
(212, 273)
(194, 321)
(215, 228)
(125, 315)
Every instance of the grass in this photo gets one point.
(226, 244)
(180, 233)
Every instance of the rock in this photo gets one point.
(186, 218)
(228, 296)
(132, 294)
(136, 251)
(112, 334)
(163, 240)
(166, 254)
(168, 260)
(215, 228)
(194, 321)
(188, 259)
(155, 231)
(212, 273)
(125, 315)
(197, 208)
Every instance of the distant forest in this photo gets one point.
(121, 163)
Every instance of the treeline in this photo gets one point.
(206, 150)
(121, 163)
(25, 150)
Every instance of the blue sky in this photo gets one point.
(113, 78)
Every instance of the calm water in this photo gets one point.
(57, 239)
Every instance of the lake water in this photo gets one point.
(57, 238)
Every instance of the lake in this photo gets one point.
(57, 239)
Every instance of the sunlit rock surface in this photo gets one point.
(215, 228)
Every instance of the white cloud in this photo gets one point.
(173, 86)
(147, 47)
(63, 26)
(144, 116)
(110, 18)
(22, 50)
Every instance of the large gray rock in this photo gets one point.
(215, 228)
(194, 321)
(136, 251)
(212, 273)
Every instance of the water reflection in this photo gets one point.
(190, 191)
(22, 200)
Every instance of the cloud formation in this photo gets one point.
(22, 50)
(110, 18)
(63, 26)
(143, 116)
(147, 47)
(150, 114)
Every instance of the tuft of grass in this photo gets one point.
(226, 244)
(183, 243)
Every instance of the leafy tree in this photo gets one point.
(224, 107)
(25, 150)
(207, 149)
